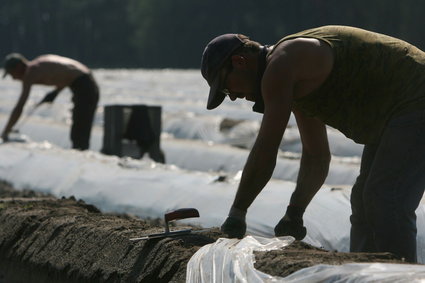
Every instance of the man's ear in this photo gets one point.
(239, 61)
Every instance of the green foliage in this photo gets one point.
(173, 33)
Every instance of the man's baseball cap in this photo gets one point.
(11, 61)
(214, 58)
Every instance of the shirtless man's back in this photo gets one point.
(55, 70)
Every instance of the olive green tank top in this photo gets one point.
(374, 78)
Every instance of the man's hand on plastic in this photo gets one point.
(286, 227)
(234, 227)
(291, 224)
(49, 97)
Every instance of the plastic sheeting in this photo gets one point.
(360, 272)
(200, 156)
(232, 260)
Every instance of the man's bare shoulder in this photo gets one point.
(302, 64)
(54, 59)
(299, 48)
(53, 69)
(306, 58)
(47, 57)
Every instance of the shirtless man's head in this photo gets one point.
(229, 64)
(15, 65)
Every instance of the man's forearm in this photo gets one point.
(257, 172)
(14, 116)
(312, 174)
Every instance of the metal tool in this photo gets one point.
(181, 213)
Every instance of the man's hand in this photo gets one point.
(234, 227)
(291, 224)
(286, 227)
(49, 97)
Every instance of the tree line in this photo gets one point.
(173, 33)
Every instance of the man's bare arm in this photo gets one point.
(51, 96)
(315, 160)
(262, 158)
(277, 91)
(303, 62)
(295, 68)
(17, 110)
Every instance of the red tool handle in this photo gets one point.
(181, 213)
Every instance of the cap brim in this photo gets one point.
(216, 96)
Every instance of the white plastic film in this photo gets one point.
(232, 260)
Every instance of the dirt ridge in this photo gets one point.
(45, 239)
(65, 240)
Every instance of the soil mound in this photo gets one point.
(45, 239)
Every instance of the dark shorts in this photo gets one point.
(85, 98)
(389, 189)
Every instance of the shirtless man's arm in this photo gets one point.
(51, 96)
(298, 64)
(17, 110)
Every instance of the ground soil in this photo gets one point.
(45, 239)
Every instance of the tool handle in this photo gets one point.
(181, 213)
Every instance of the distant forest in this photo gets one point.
(173, 33)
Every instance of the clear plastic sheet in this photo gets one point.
(359, 272)
(232, 260)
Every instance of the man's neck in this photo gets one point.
(261, 66)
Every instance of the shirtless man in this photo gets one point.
(369, 86)
(60, 72)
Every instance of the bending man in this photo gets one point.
(60, 72)
(369, 86)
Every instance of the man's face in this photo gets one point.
(239, 83)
